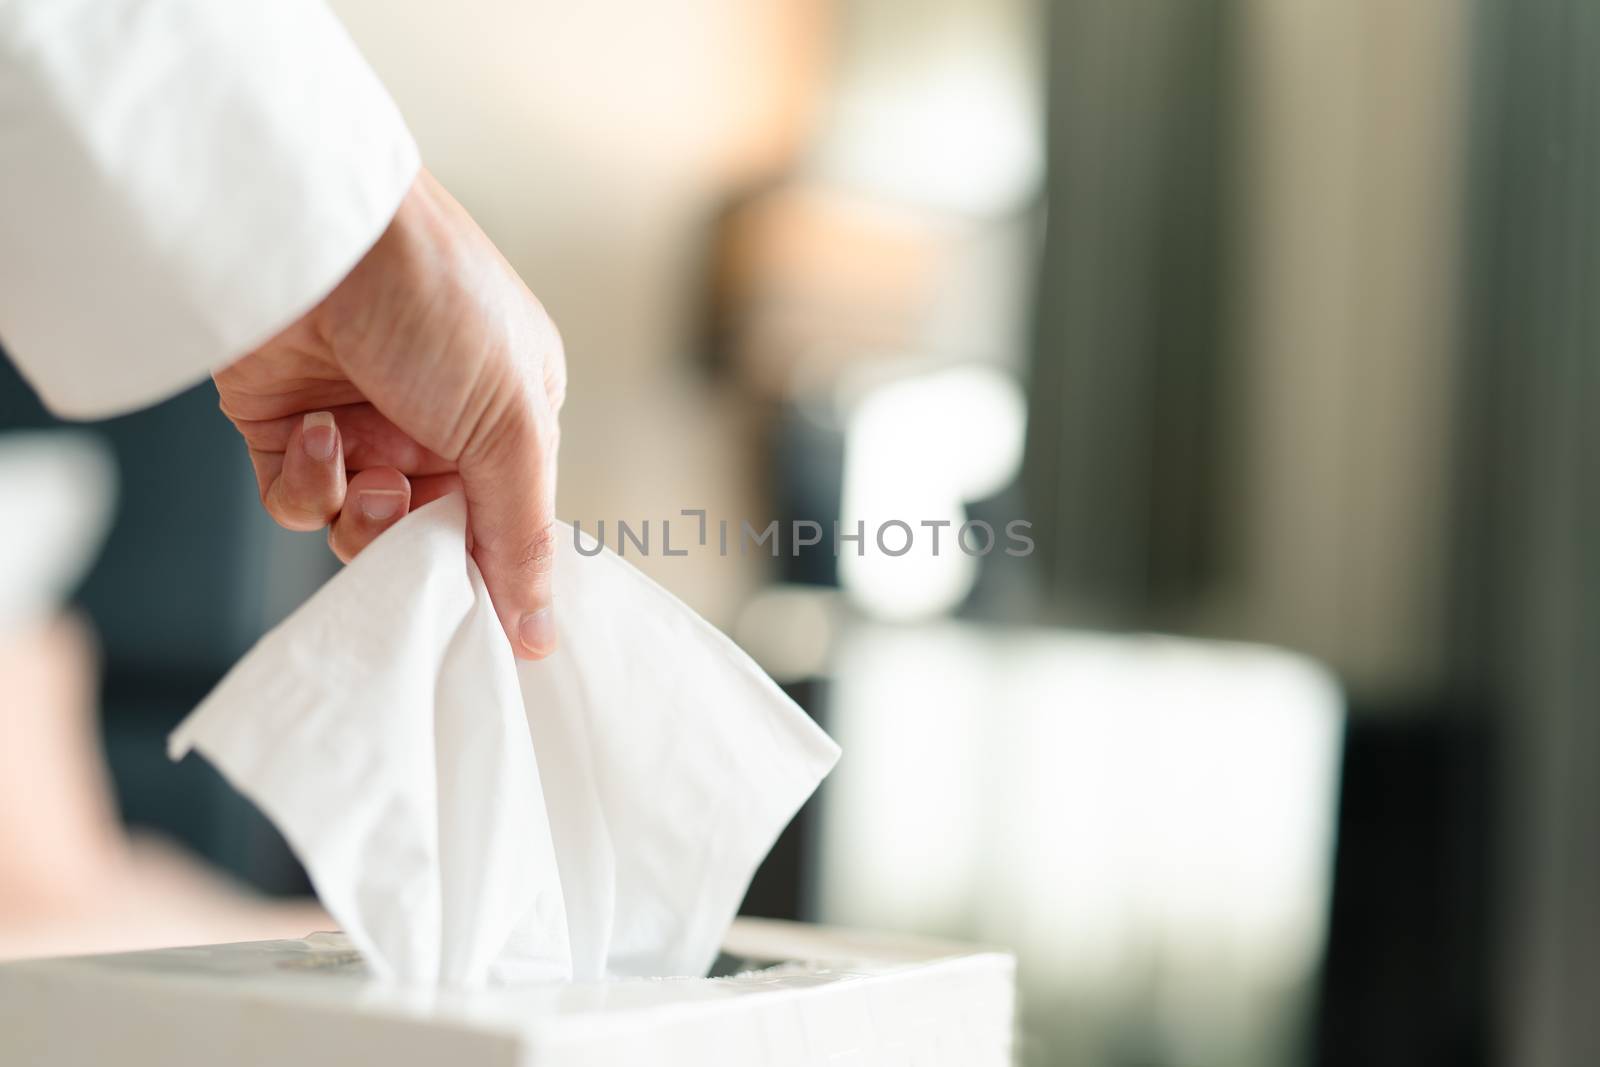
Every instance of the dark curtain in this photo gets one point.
(1126, 415)
(1529, 575)
(1130, 490)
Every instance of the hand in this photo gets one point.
(431, 367)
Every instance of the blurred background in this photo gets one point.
(1275, 318)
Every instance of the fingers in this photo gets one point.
(368, 439)
(508, 472)
(374, 501)
(307, 489)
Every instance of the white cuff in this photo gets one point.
(179, 180)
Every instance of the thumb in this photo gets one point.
(508, 474)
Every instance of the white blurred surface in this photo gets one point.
(59, 491)
(1149, 821)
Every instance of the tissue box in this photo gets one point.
(784, 994)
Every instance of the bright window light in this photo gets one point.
(916, 449)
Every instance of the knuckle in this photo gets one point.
(282, 513)
(501, 431)
(538, 555)
(293, 514)
(522, 431)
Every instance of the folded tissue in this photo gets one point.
(468, 818)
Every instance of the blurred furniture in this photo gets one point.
(1149, 821)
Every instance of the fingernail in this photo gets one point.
(538, 631)
(380, 504)
(318, 437)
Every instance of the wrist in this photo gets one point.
(363, 313)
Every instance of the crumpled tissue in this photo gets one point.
(466, 817)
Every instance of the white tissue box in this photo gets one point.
(810, 995)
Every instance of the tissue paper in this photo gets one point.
(466, 816)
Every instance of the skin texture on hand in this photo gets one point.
(431, 367)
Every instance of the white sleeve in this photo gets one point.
(179, 180)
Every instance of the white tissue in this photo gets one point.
(466, 817)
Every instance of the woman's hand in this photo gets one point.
(430, 367)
